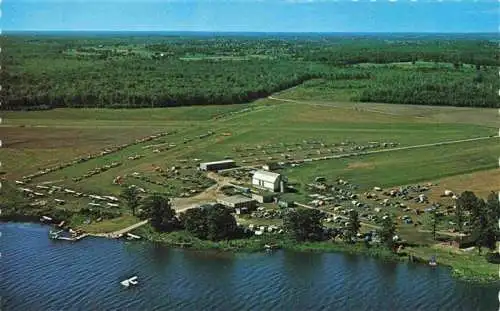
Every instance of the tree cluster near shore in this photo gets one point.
(482, 218)
(305, 225)
(44, 72)
(213, 222)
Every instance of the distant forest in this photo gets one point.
(43, 72)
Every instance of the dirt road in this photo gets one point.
(121, 231)
(209, 195)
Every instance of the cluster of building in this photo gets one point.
(265, 183)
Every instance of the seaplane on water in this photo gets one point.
(131, 281)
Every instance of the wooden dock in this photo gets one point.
(112, 235)
(72, 239)
(120, 233)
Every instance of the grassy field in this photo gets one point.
(397, 168)
(256, 133)
(470, 266)
(110, 225)
(43, 138)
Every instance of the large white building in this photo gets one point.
(268, 180)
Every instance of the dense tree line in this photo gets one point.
(465, 88)
(304, 224)
(481, 217)
(44, 72)
(212, 222)
(370, 50)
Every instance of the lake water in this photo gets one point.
(43, 275)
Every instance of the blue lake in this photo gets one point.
(40, 274)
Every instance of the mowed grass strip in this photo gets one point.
(337, 133)
(258, 127)
(30, 149)
(195, 113)
(405, 166)
(317, 94)
(110, 225)
(26, 149)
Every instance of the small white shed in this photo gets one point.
(267, 180)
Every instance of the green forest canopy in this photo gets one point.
(161, 71)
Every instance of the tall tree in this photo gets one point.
(387, 232)
(131, 196)
(459, 216)
(469, 203)
(12, 201)
(353, 226)
(304, 224)
(221, 224)
(195, 221)
(493, 206)
(486, 230)
(213, 223)
(159, 210)
(436, 219)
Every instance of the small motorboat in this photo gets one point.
(131, 281)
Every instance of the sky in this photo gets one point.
(253, 15)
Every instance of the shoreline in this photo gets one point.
(183, 240)
(375, 252)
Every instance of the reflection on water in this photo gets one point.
(39, 274)
(160, 256)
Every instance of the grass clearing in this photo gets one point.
(191, 113)
(321, 94)
(110, 225)
(467, 265)
(482, 183)
(30, 148)
(405, 166)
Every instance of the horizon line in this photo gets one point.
(244, 31)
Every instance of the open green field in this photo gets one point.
(251, 134)
(371, 111)
(405, 167)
